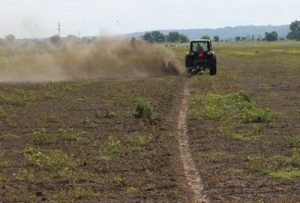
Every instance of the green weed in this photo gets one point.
(118, 180)
(70, 134)
(111, 148)
(286, 174)
(219, 107)
(140, 142)
(3, 114)
(17, 97)
(4, 163)
(81, 193)
(288, 161)
(41, 137)
(51, 159)
(132, 190)
(253, 133)
(145, 111)
(215, 156)
(294, 140)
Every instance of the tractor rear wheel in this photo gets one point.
(213, 67)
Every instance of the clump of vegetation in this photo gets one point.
(253, 133)
(286, 174)
(118, 180)
(294, 140)
(219, 107)
(70, 134)
(140, 142)
(111, 148)
(145, 111)
(288, 161)
(17, 97)
(4, 163)
(215, 156)
(132, 190)
(50, 160)
(3, 114)
(41, 137)
(279, 167)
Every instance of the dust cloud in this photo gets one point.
(74, 60)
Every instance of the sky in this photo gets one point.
(39, 18)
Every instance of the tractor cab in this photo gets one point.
(200, 57)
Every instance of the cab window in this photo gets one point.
(199, 46)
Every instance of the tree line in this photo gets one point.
(159, 37)
(176, 37)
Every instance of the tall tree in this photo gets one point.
(271, 36)
(295, 30)
(184, 38)
(154, 36)
(173, 37)
(216, 38)
(10, 38)
(205, 37)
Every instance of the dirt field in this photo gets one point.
(84, 141)
(244, 124)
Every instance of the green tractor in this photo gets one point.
(201, 58)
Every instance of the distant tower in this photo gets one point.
(59, 29)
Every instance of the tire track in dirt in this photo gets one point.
(192, 175)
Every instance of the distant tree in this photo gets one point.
(295, 31)
(237, 38)
(184, 38)
(10, 38)
(55, 39)
(205, 37)
(243, 38)
(72, 38)
(154, 36)
(148, 37)
(216, 38)
(173, 37)
(271, 36)
(158, 36)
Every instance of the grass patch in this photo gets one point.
(258, 164)
(3, 114)
(140, 142)
(294, 140)
(215, 156)
(145, 111)
(111, 148)
(253, 133)
(286, 174)
(288, 161)
(41, 137)
(117, 180)
(215, 106)
(132, 190)
(50, 160)
(17, 97)
(81, 193)
(71, 135)
(4, 163)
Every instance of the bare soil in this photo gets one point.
(151, 172)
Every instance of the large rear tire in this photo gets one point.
(189, 61)
(213, 67)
